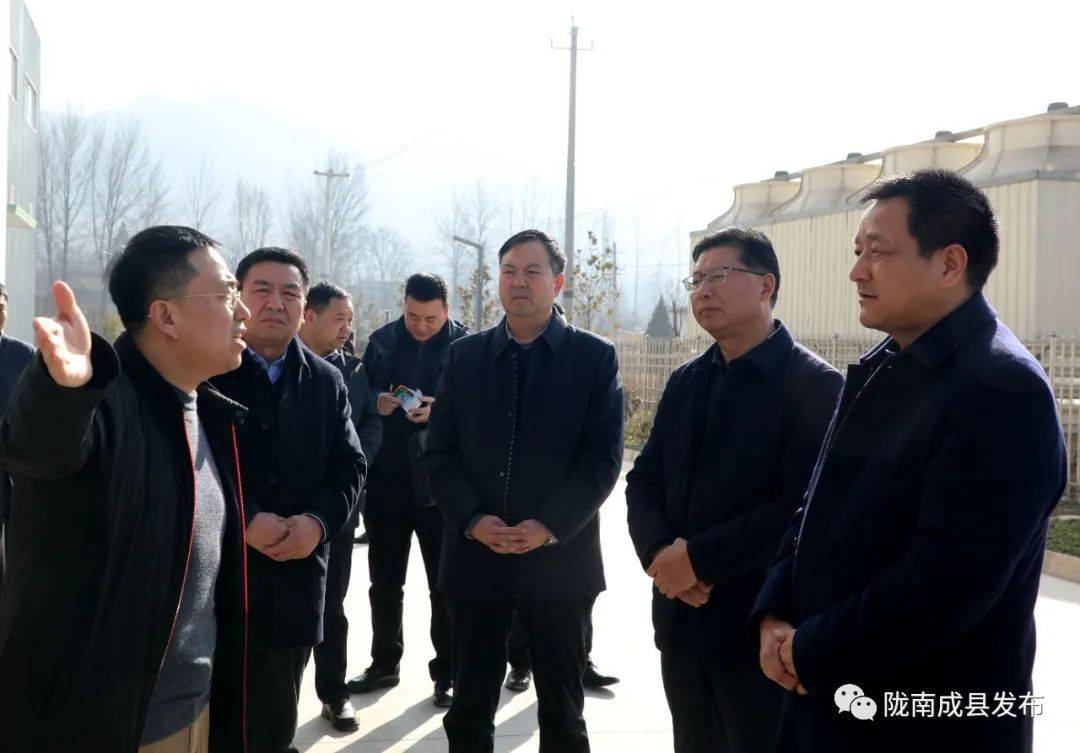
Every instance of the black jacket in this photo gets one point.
(914, 565)
(366, 419)
(300, 455)
(772, 407)
(98, 546)
(393, 358)
(15, 356)
(553, 454)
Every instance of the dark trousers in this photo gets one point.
(274, 676)
(720, 708)
(332, 654)
(390, 519)
(517, 649)
(555, 634)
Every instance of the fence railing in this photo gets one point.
(647, 363)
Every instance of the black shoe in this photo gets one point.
(373, 679)
(361, 539)
(593, 679)
(341, 714)
(518, 680)
(443, 697)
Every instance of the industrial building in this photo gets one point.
(1029, 168)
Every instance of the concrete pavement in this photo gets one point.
(633, 715)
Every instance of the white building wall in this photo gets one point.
(1030, 171)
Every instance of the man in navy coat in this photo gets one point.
(899, 610)
(727, 462)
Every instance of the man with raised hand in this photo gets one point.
(122, 621)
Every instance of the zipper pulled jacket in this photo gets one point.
(99, 542)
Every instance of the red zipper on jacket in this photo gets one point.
(244, 570)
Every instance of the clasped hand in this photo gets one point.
(674, 576)
(493, 532)
(283, 539)
(777, 641)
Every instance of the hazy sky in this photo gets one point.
(678, 101)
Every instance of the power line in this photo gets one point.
(396, 152)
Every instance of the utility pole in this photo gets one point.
(479, 308)
(329, 174)
(637, 264)
(568, 290)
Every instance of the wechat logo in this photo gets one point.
(852, 700)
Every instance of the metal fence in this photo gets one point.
(647, 363)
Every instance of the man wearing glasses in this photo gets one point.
(303, 469)
(122, 618)
(725, 466)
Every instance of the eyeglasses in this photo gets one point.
(715, 276)
(231, 296)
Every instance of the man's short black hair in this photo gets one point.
(274, 254)
(3, 291)
(945, 208)
(555, 254)
(756, 251)
(322, 293)
(154, 264)
(425, 286)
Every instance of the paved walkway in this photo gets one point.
(633, 715)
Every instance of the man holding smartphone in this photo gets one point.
(403, 357)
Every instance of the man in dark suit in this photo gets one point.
(909, 578)
(15, 356)
(408, 352)
(303, 471)
(725, 466)
(328, 320)
(123, 620)
(525, 445)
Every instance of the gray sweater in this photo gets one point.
(182, 689)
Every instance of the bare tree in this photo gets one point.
(456, 256)
(201, 196)
(490, 307)
(524, 210)
(251, 217)
(676, 294)
(480, 214)
(595, 299)
(154, 201)
(389, 257)
(65, 189)
(327, 218)
(472, 215)
(126, 186)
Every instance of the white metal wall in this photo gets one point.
(1035, 288)
(1056, 287)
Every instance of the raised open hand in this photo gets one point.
(64, 341)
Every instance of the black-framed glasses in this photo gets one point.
(715, 276)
